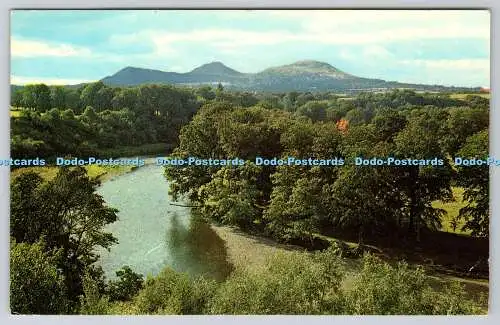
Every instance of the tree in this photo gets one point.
(231, 196)
(69, 215)
(294, 210)
(420, 140)
(27, 223)
(16, 97)
(125, 98)
(461, 123)
(314, 110)
(37, 97)
(36, 285)
(92, 302)
(355, 116)
(58, 97)
(388, 122)
(475, 180)
(206, 92)
(91, 94)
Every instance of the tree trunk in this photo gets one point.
(413, 199)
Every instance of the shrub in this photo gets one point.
(92, 302)
(294, 283)
(174, 293)
(380, 289)
(127, 286)
(36, 287)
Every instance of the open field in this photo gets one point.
(462, 96)
(15, 113)
(103, 173)
(452, 209)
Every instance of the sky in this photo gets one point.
(446, 47)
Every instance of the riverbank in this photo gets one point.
(246, 251)
(249, 251)
(102, 173)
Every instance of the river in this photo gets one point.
(153, 234)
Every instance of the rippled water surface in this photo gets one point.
(153, 234)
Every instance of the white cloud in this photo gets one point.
(376, 52)
(466, 72)
(18, 80)
(30, 48)
(232, 39)
(324, 20)
(371, 29)
(480, 64)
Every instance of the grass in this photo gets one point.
(252, 253)
(462, 96)
(145, 149)
(15, 113)
(452, 209)
(46, 172)
(102, 173)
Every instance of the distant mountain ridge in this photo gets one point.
(306, 75)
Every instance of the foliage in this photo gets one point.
(381, 289)
(70, 217)
(127, 286)
(36, 285)
(56, 123)
(92, 302)
(475, 179)
(301, 283)
(292, 284)
(174, 293)
(295, 202)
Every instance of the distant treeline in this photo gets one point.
(61, 120)
(83, 120)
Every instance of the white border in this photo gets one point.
(6, 5)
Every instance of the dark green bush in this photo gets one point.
(127, 286)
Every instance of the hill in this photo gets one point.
(306, 75)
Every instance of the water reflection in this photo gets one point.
(153, 234)
(197, 249)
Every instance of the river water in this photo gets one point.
(153, 234)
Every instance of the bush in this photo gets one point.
(174, 293)
(295, 283)
(380, 289)
(36, 286)
(303, 284)
(92, 302)
(127, 286)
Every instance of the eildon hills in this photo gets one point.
(307, 75)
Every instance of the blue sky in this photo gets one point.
(431, 47)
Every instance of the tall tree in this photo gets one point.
(71, 217)
(420, 140)
(475, 180)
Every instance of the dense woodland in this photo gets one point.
(56, 224)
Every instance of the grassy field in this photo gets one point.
(15, 113)
(462, 96)
(452, 208)
(102, 173)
